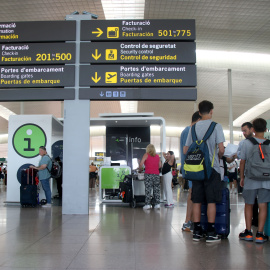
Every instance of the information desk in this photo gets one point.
(109, 178)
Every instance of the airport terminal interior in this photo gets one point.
(232, 71)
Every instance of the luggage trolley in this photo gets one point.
(138, 190)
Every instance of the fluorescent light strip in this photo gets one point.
(5, 112)
(252, 113)
(233, 60)
(123, 9)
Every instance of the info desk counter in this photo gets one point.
(109, 178)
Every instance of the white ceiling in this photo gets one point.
(241, 26)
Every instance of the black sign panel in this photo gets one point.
(138, 52)
(36, 94)
(133, 30)
(37, 53)
(138, 75)
(175, 94)
(37, 31)
(37, 76)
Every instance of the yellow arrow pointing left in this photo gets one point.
(99, 32)
(96, 55)
(96, 79)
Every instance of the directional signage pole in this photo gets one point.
(76, 141)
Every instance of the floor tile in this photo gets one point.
(115, 236)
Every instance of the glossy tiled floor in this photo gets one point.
(118, 237)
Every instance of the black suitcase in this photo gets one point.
(27, 174)
(255, 217)
(239, 188)
(175, 181)
(125, 192)
(28, 190)
(186, 185)
(222, 223)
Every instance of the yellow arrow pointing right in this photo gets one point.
(96, 79)
(96, 55)
(99, 32)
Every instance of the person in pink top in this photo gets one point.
(152, 163)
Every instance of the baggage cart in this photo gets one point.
(138, 191)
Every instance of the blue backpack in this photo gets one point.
(197, 164)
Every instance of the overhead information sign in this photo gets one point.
(37, 53)
(139, 52)
(138, 93)
(138, 75)
(37, 31)
(138, 30)
(34, 94)
(37, 76)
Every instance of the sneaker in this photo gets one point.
(157, 206)
(212, 237)
(197, 235)
(246, 235)
(187, 226)
(147, 207)
(261, 238)
(169, 205)
(235, 191)
(47, 205)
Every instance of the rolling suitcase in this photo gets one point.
(239, 188)
(255, 217)
(28, 189)
(125, 192)
(27, 174)
(186, 185)
(222, 223)
(267, 221)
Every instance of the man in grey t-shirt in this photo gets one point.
(208, 190)
(44, 166)
(253, 189)
(247, 130)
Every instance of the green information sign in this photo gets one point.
(27, 139)
(110, 177)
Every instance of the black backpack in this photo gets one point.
(56, 170)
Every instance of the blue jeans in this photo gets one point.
(47, 189)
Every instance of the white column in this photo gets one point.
(230, 104)
(76, 157)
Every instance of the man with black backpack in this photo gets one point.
(209, 187)
(255, 178)
(44, 168)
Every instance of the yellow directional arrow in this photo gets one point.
(96, 79)
(96, 55)
(99, 32)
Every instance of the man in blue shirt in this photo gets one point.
(44, 166)
(187, 226)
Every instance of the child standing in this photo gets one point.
(254, 188)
